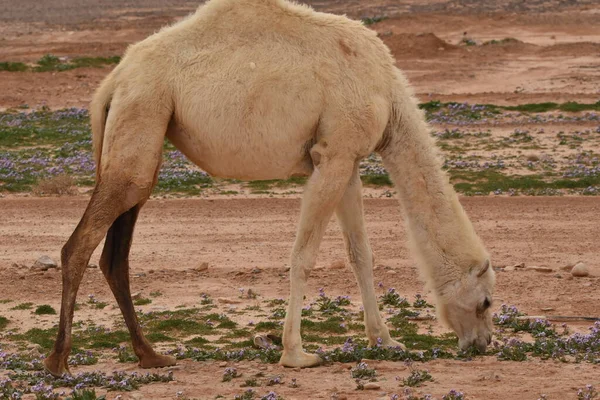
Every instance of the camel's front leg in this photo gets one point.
(360, 256)
(323, 191)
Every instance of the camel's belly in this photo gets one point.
(243, 155)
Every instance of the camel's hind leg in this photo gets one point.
(114, 263)
(351, 218)
(133, 141)
(323, 192)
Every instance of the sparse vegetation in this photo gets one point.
(45, 309)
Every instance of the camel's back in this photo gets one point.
(274, 35)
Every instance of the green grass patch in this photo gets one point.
(51, 62)
(372, 20)
(267, 326)
(45, 309)
(142, 301)
(489, 181)
(3, 322)
(23, 306)
(159, 337)
(5, 301)
(197, 341)
(376, 180)
(330, 325)
(43, 337)
(13, 66)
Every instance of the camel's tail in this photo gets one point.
(99, 112)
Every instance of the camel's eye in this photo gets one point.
(483, 306)
(486, 304)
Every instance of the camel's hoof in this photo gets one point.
(157, 361)
(55, 366)
(299, 360)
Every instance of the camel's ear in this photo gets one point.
(481, 269)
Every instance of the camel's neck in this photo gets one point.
(440, 232)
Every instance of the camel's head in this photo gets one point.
(465, 306)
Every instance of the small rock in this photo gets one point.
(580, 270)
(225, 300)
(338, 264)
(202, 267)
(140, 275)
(136, 296)
(539, 269)
(546, 309)
(92, 266)
(44, 263)
(372, 386)
(137, 396)
(510, 268)
(521, 265)
(223, 364)
(392, 272)
(558, 276)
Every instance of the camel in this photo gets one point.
(269, 89)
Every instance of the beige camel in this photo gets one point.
(266, 89)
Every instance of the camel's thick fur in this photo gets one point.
(264, 89)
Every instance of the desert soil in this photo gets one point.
(236, 236)
(556, 58)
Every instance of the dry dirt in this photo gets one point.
(237, 235)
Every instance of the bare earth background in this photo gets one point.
(556, 58)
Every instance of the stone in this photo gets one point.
(225, 300)
(567, 268)
(509, 268)
(223, 364)
(580, 270)
(202, 267)
(92, 266)
(338, 264)
(371, 386)
(44, 263)
(539, 269)
(520, 265)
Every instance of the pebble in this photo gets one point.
(539, 269)
(372, 386)
(44, 263)
(225, 300)
(92, 266)
(580, 270)
(223, 364)
(202, 267)
(338, 264)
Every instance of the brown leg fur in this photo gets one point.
(114, 263)
(75, 256)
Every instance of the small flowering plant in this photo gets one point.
(362, 371)
(229, 374)
(588, 393)
(417, 377)
(393, 299)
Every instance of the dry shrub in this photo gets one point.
(56, 185)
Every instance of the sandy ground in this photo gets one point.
(237, 235)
